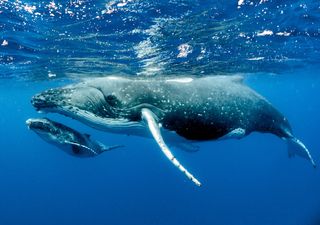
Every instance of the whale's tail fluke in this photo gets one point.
(296, 147)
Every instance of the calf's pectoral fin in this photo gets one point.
(150, 118)
(76, 146)
(296, 147)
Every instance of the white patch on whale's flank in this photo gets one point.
(236, 133)
(181, 80)
(149, 117)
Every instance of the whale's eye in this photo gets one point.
(112, 100)
(111, 97)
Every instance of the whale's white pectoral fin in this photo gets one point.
(82, 146)
(296, 147)
(149, 117)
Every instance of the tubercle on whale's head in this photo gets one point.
(46, 100)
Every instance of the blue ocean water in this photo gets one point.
(274, 45)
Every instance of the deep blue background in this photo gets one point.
(248, 181)
(245, 182)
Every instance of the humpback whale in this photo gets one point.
(190, 108)
(66, 138)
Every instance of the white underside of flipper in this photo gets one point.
(236, 133)
(149, 118)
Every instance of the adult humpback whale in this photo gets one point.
(196, 109)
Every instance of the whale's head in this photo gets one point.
(98, 105)
(43, 127)
(74, 99)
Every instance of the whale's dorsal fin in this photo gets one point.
(237, 78)
(149, 117)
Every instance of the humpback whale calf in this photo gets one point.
(192, 109)
(71, 141)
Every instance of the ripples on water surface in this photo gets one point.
(41, 39)
(247, 182)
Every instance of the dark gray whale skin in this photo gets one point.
(205, 108)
